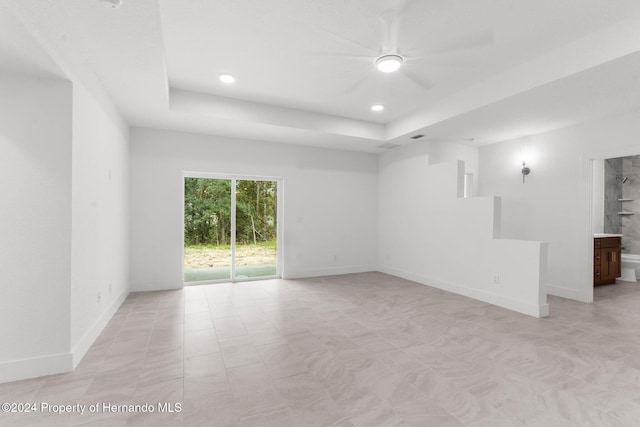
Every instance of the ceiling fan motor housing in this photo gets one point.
(389, 63)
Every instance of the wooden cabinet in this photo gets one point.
(606, 260)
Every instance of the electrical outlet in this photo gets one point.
(99, 297)
(496, 280)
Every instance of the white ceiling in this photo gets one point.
(20, 53)
(497, 69)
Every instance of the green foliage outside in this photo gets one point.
(207, 212)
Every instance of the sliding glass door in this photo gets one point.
(256, 229)
(230, 229)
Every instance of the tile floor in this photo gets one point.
(355, 350)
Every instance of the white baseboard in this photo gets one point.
(155, 286)
(330, 271)
(23, 369)
(478, 294)
(84, 344)
(16, 370)
(573, 294)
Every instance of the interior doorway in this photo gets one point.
(230, 228)
(615, 203)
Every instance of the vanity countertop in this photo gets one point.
(601, 235)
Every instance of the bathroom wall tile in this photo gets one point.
(612, 192)
(629, 225)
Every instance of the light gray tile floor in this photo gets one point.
(355, 350)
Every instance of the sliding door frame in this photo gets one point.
(234, 178)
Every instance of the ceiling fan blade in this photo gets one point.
(358, 84)
(444, 60)
(416, 78)
(391, 19)
(375, 31)
(339, 55)
(373, 52)
(406, 5)
(466, 41)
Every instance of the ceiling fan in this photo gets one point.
(390, 58)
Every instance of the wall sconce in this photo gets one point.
(525, 170)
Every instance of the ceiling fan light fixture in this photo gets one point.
(227, 78)
(377, 107)
(389, 63)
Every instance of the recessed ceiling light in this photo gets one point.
(227, 78)
(389, 63)
(377, 107)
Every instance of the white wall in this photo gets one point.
(35, 225)
(64, 223)
(555, 204)
(330, 202)
(429, 234)
(100, 230)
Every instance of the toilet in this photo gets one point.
(630, 262)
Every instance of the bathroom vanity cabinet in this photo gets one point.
(606, 260)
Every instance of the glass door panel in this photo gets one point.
(256, 229)
(207, 229)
